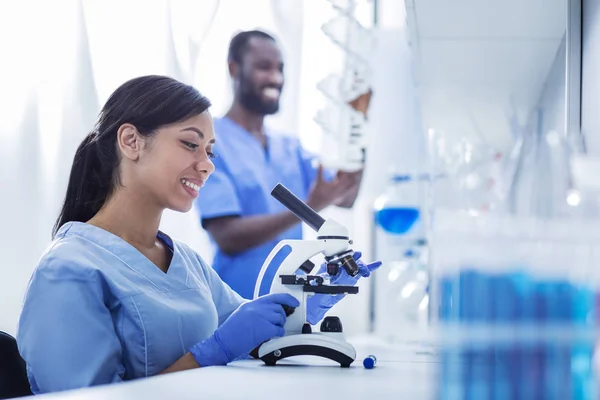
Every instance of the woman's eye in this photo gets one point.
(210, 154)
(190, 145)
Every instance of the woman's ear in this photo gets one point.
(129, 141)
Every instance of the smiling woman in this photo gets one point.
(140, 140)
(131, 301)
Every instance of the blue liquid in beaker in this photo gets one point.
(397, 220)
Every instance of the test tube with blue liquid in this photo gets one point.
(537, 307)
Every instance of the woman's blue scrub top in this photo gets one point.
(97, 311)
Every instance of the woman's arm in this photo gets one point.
(184, 363)
(66, 333)
(67, 336)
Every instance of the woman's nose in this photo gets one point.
(204, 165)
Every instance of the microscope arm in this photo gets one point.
(302, 250)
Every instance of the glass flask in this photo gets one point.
(397, 210)
(401, 290)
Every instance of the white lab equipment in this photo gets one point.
(583, 197)
(294, 277)
(344, 128)
(466, 173)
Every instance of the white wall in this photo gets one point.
(540, 189)
(551, 189)
(553, 94)
(590, 76)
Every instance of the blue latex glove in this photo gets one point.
(318, 304)
(253, 323)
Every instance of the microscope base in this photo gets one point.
(327, 345)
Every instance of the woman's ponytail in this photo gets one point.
(89, 184)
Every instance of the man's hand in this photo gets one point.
(362, 102)
(355, 178)
(336, 192)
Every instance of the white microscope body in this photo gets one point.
(333, 242)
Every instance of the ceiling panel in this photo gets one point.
(516, 62)
(474, 95)
(480, 62)
(490, 18)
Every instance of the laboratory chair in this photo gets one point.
(13, 375)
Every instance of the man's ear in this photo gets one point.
(234, 69)
(129, 141)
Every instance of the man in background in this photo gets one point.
(236, 207)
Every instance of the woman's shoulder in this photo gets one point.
(69, 257)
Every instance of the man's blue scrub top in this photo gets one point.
(241, 185)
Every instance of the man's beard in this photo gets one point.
(252, 100)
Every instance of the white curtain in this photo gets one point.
(61, 60)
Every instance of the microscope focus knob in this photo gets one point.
(306, 328)
(289, 310)
(331, 324)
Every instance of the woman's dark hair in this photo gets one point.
(148, 103)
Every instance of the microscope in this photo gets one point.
(294, 277)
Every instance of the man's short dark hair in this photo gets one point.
(239, 44)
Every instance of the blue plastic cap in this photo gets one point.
(369, 362)
(401, 178)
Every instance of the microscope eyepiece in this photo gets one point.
(299, 208)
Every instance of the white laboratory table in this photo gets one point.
(402, 372)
